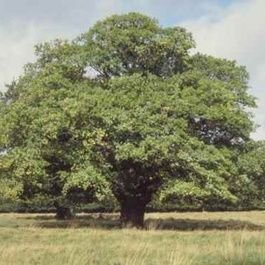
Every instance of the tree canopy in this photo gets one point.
(126, 110)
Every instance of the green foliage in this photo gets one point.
(251, 167)
(134, 43)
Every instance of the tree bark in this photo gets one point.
(63, 212)
(132, 214)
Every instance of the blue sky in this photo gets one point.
(232, 29)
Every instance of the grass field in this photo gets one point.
(169, 239)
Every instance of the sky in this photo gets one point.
(232, 29)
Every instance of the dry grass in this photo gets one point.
(26, 240)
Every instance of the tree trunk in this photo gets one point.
(132, 215)
(63, 212)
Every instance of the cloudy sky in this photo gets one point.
(231, 29)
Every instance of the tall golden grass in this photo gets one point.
(24, 240)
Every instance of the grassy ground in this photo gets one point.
(169, 239)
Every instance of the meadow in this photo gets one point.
(234, 238)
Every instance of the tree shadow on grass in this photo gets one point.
(200, 224)
(111, 221)
(103, 221)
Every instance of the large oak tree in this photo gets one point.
(126, 110)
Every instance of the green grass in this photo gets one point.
(169, 239)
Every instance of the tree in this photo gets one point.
(251, 167)
(34, 137)
(151, 119)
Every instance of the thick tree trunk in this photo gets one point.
(132, 215)
(63, 212)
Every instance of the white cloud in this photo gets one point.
(238, 33)
(26, 23)
(17, 47)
